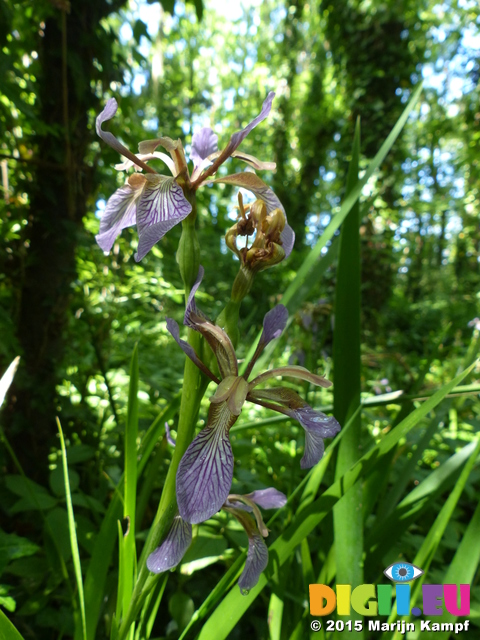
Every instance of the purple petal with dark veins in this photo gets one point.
(204, 475)
(216, 337)
(191, 307)
(204, 143)
(119, 213)
(239, 136)
(270, 498)
(174, 330)
(316, 424)
(107, 114)
(257, 560)
(172, 549)
(274, 323)
(161, 207)
(288, 239)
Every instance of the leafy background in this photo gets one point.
(75, 315)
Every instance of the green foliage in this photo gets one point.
(77, 322)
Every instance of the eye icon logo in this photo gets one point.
(402, 572)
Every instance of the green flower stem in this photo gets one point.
(228, 321)
(188, 253)
(228, 318)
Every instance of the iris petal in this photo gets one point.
(239, 136)
(172, 549)
(161, 207)
(216, 337)
(204, 143)
(257, 560)
(274, 323)
(119, 213)
(204, 475)
(270, 498)
(174, 330)
(107, 114)
(316, 424)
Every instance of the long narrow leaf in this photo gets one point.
(128, 575)
(73, 533)
(348, 514)
(7, 630)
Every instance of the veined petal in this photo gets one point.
(237, 138)
(216, 337)
(172, 549)
(174, 330)
(204, 144)
(316, 424)
(161, 207)
(251, 160)
(254, 184)
(291, 371)
(288, 239)
(107, 114)
(274, 323)
(149, 146)
(270, 498)
(257, 561)
(119, 213)
(191, 307)
(174, 147)
(204, 475)
(145, 157)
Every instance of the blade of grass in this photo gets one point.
(461, 570)
(7, 630)
(430, 544)
(7, 378)
(348, 514)
(121, 583)
(412, 506)
(234, 605)
(73, 533)
(97, 571)
(150, 609)
(128, 575)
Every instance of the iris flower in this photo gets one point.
(156, 203)
(205, 472)
(179, 537)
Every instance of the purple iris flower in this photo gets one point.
(205, 472)
(179, 537)
(156, 203)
